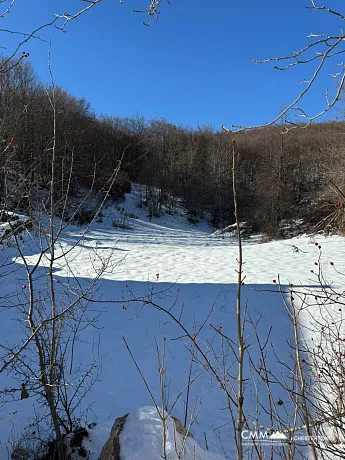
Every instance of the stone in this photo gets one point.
(111, 449)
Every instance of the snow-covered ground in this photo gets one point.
(189, 271)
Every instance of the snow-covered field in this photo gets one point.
(189, 271)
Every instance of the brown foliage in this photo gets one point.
(280, 177)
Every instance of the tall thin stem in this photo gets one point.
(241, 345)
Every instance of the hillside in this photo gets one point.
(182, 268)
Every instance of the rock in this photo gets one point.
(138, 436)
(181, 429)
(111, 449)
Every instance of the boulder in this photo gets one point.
(111, 449)
(138, 436)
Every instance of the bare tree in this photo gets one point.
(60, 20)
(321, 50)
(55, 312)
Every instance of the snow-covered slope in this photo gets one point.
(191, 273)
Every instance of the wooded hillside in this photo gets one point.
(279, 176)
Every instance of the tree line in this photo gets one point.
(280, 177)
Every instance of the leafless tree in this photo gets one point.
(322, 50)
(60, 20)
(54, 312)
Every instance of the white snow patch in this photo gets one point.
(141, 439)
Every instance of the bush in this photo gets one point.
(84, 217)
(122, 185)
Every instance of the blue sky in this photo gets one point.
(193, 67)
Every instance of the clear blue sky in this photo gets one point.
(193, 67)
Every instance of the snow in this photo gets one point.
(185, 269)
(142, 438)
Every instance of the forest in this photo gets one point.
(283, 180)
